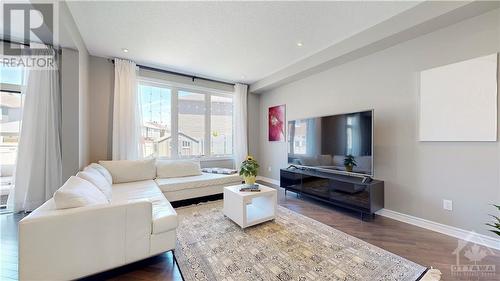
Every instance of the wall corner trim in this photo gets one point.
(459, 233)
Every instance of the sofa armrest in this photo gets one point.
(71, 243)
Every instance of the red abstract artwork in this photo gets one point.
(277, 123)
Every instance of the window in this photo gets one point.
(11, 75)
(349, 135)
(183, 122)
(156, 104)
(221, 125)
(191, 118)
(297, 137)
(11, 106)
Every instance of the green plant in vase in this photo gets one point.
(349, 162)
(249, 169)
(496, 223)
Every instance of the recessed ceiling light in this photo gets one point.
(299, 44)
(243, 77)
(125, 50)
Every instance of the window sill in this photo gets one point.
(202, 159)
(216, 158)
(5, 190)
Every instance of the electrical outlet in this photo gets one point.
(447, 205)
(269, 169)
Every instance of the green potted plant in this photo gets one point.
(249, 169)
(496, 223)
(349, 162)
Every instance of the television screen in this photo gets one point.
(341, 142)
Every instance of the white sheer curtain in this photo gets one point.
(240, 124)
(38, 172)
(126, 113)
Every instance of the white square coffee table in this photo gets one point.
(249, 208)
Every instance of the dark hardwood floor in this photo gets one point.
(422, 246)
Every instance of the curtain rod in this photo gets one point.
(10, 91)
(13, 42)
(179, 74)
(57, 49)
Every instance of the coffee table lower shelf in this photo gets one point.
(250, 208)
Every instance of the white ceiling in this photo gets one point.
(231, 41)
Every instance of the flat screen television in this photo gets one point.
(324, 142)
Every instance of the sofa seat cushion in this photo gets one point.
(164, 216)
(130, 191)
(203, 180)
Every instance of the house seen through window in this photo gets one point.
(183, 123)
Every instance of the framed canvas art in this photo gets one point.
(276, 123)
(458, 102)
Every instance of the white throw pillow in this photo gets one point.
(177, 168)
(94, 177)
(130, 170)
(103, 172)
(224, 171)
(77, 192)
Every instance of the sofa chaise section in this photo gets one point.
(205, 184)
(164, 217)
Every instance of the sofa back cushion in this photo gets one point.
(102, 171)
(325, 160)
(177, 168)
(130, 170)
(338, 160)
(77, 192)
(309, 161)
(94, 177)
(364, 163)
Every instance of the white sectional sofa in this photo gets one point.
(110, 215)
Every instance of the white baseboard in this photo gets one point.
(452, 231)
(269, 180)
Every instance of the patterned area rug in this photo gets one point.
(292, 247)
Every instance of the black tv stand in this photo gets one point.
(365, 195)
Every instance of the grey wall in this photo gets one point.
(101, 108)
(417, 175)
(184, 80)
(84, 110)
(70, 136)
(253, 104)
(75, 95)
